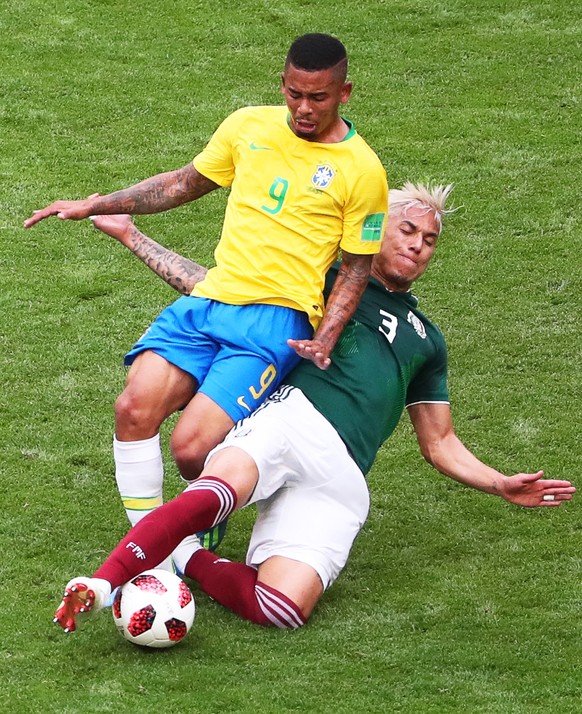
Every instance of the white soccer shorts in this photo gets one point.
(312, 499)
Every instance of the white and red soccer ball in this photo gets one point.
(154, 609)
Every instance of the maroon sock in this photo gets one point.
(202, 505)
(235, 586)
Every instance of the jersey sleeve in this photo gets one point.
(216, 160)
(431, 382)
(365, 212)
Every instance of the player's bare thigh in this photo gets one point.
(298, 581)
(237, 468)
(154, 389)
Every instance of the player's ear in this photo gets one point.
(282, 82)
(346, 92)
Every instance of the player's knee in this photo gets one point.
(297, 624)
(275, 608)
(134, 417)
(191, 442)
(189, 453)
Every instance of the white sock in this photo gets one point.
(139, 473)
(184, 551)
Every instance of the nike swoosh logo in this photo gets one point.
(260, 148)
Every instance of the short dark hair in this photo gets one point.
(316, 51)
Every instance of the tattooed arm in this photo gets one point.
(156, 194)
(348, 288)
(179, 272)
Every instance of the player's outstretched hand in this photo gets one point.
(313, 350)
(533, 490)
(117, 226)
(65, 210)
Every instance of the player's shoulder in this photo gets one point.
(261, 113)
(250, 121)
(357, 144)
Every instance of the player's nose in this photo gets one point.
(304, 108)
(415, 243)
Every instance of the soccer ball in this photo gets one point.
(154, 609)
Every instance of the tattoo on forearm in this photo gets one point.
(180, 273)
(348, 288)
(158, 193)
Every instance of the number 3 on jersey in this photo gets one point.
(388, 325)
(277, 192)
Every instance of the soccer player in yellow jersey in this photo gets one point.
(303, 185)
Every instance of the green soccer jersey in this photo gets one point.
(388, 357)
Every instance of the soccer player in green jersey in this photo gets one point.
(303, 455)
(303, 185)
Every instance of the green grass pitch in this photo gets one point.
(452, 601)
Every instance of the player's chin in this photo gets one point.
(410, 272)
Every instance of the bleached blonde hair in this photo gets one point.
(431, 198)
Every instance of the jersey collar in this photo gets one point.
(351, 130)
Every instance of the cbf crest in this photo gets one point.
(323, 176)
(417, 324)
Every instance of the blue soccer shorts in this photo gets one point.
(238, 354)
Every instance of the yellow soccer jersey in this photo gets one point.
(293, 204)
